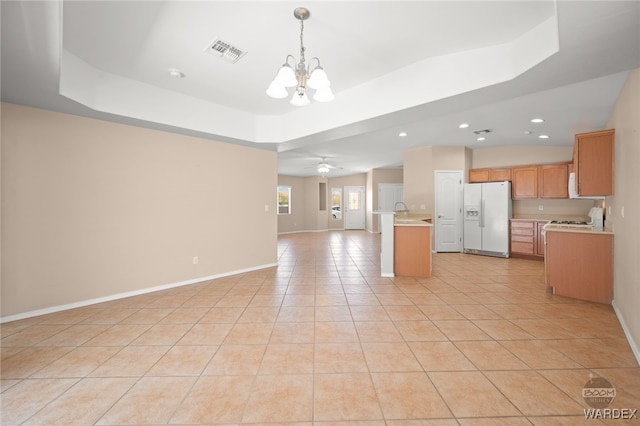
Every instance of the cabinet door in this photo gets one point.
(478, 175)
(499, 175)
(412, 251)
(524, 182)
(593, 162)
(539, 239)
(580, 265)
(552, 181)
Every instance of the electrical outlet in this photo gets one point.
(195, 260)
(540, 207)
(266, 207)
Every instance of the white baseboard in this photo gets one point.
(303, 231)
(59, 308)
(627, 333)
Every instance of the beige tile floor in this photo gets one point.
(323, 339)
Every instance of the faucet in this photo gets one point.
(404, 208)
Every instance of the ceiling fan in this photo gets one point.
(324, 167)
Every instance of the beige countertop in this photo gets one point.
(411, 222)
(549, 217)
(412, 219)
(580, 229)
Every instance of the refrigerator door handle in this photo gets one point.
(482, 213)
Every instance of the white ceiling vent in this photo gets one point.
(226, 51)
(482, 132)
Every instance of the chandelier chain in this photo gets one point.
(302, 42)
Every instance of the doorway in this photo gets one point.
(354, 207)
(448, 210)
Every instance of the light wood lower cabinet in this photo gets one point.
(412, 251)
(526, 238)
(580, 265)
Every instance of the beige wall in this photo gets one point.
(419, 165)
(305, 214)
(508, 156)
(93, 209)
(625, 119)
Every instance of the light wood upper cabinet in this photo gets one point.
(478, 175)
(553, 181)
(524, 182)
(593, 162)
(489, 175)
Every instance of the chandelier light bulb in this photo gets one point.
(318, 79)
(277, 90)
(323, 94)
(300, 99)
(286, 76)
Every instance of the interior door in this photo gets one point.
(448, 211)
(388, 195)
(354, 207)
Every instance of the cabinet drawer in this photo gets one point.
(519, 247)
(523, 231)
(528, 225)
(522, 238)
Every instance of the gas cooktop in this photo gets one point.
(569, 222)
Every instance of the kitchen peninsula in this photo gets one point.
(579, 262)
(412, 246)
(405, 244)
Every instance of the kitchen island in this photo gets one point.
(412, 246)
(579, 262)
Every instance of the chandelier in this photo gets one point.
(299, 76)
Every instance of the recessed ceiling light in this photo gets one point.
(537, 120)
(176, 73)
(543, 137)
(481, 138)
(463, 125)
(402, 134)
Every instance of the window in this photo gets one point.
(355, 202)
(336, 203)
(284, 200)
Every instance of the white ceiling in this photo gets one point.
(422, 67)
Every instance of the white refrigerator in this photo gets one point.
(487, 210)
